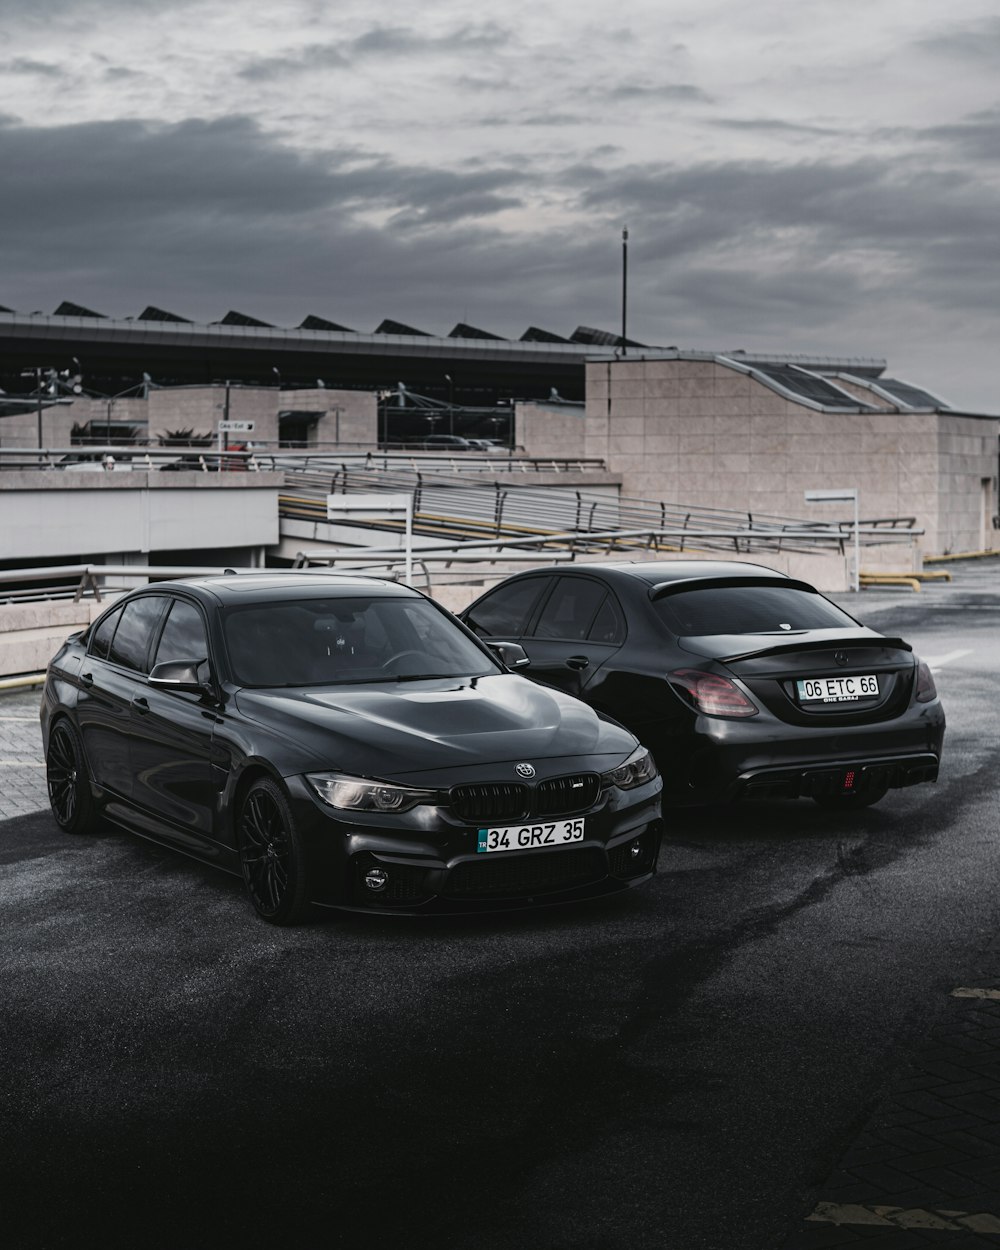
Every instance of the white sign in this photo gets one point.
(235, 427)
(845, 494)
(362, 507)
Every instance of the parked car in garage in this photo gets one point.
(344, 742)
(742, 682)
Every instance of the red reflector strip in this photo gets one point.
(849, 780)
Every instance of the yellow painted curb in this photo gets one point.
(962, 555)
(889, 579)
(18, 683)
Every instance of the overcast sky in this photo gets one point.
(796, 175)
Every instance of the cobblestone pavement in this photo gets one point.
(22, 773)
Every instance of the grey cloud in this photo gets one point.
(216, 212)
(379, 41)
(810, 237)
(316, 56)
(41, 12)
(404, 39)
(664, 91)
(977, 41)
(25, 65)
(772, 125)
(119, 73)
(204, 170)
(976, 137)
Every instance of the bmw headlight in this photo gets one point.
(636, 771)
(359, 794)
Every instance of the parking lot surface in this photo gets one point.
(762, 1049)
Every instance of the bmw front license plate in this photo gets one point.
(836, 689)
(526, 837)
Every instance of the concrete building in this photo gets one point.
(754, 434)
(313, 416)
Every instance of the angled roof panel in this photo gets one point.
(534, 335)
(241, 319)
(321, 323)
(600, 338)
(397, 327)
(67, 309)
(152, 313)
(911, 396)
(809, 385)
(463, 331)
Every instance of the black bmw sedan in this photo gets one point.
(342, 742)
(740, 680)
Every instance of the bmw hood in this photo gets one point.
(393, 729)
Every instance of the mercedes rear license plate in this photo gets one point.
(525, 837)
(836, 689)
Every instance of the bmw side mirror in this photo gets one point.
(179, 675)
(512, 654)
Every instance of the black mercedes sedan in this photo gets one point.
(742, 682)
(342, 742)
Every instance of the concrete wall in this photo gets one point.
(83, 516)
(201, 408)
(556, 430)
(31, 633)
(967, 495)
(350, 418)
(698, 432)
(58, 421)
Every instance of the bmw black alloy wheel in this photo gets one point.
(271, 855)
(68, 783)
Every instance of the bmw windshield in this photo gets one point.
(322, 642)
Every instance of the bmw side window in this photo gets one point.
(570, 610)
(504, 613)
(136, 628)
(183, 636)
(609, 624)
(100, 643)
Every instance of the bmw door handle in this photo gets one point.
(141, 705)
(578, 663)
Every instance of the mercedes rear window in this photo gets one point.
(747, 610)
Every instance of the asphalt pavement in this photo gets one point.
(764, 1049)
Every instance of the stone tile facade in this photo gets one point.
(347, 418)
(705, 433)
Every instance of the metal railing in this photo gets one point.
(282, 459)
(458, 508)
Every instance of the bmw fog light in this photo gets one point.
(635, 850)
(376, 879)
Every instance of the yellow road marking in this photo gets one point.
(965, 991)
(879, 1216)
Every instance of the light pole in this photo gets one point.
(624, 287)
(847, 494)
(36, 373)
